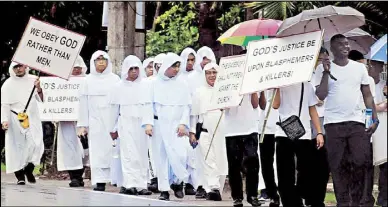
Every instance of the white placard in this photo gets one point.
(227, 86)
(279, 62)
(49, 48)
(61, 98)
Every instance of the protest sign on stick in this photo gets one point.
(227, 86)
(279, 62)
(61, 100)
(49, 48)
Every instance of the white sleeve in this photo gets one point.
(317, 76)
(113, 127)
(185, 119)
(193, 124)
(312, 98)
(83, 113)
(148, 114)
(5, 112)
(364, 76)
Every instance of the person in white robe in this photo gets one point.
(23, 144)
(188, 56)
(195, 80)
(148, 65)
(70, 152)
(167, 114)
(93, 113)
(152, 169)
(128, 117)
(211, 141)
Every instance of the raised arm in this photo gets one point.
(323, 88)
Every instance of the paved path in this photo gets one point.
(57, 193)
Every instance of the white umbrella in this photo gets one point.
(358, 40)
(333, 19)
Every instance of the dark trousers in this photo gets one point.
(367, 197)
(26, 170)
(307, 163)
(382, 198)
(242, 156)
(267, 152)
(349, 154)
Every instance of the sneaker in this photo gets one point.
(254, 201)
(21, 182)
(164, 196)
(189, 189)
(201, 193)
(214, 195)
(28, 171)
(178, 190)
(237, 203)
(122, 190)
(145, 192)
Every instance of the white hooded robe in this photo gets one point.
(171, 103)
(93, 113)
(22, 146)
(127, 98)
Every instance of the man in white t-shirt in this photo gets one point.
(241, 132)
(347, 141)
(298, 100)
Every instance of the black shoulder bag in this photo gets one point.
(292, 126)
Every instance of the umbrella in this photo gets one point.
(334, 20)
(378, 51)
(358, 40)
(244, 32)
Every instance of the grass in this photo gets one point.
(36, 170)
(330, 198)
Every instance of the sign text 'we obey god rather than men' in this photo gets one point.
(48, 48)
(279, 62)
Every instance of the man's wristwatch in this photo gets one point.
(376, 121)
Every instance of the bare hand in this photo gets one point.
(326, 64)
(181, 130)
(148, 130)
(372, 129)
(114, 135)
(320, 141)
(192, 139)
(4, 125)
(37, 85)
(320, 103)
(82, 132)
(385, 90)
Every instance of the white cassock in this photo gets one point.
(380, 136)
(116, 171)
(215, 167)
(152, 169)
(170, 102)
(127, 99)
(22, 146)
(70, 152)
(193, 178)
(195, 80)
(93, 113)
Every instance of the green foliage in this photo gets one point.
(176, 30)
(230, 18)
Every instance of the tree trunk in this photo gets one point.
(207, 25)
(249, 14)
(157, 11)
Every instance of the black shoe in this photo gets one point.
(115, 185)
(237, 203)
(214, 195)
(254, 201)
(164, 196)
(145, 192)
(201, 193)
(274, 203)
(99, 187)
(131, 191)
(178, 190)
(189, 189)
(74, 183)
(153, 186)
(21, 182)
(28, 170)
(122, 190)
